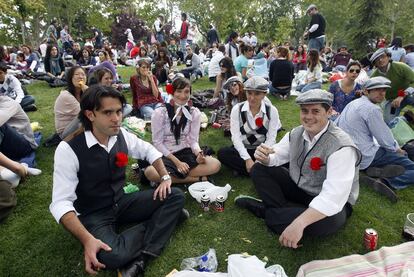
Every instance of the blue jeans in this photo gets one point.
(27, 101)
(13, 144)
(274, 91)
(183, 43)
(384, 157)
(390, 113)
(147, 110)
(316, 43)
(305, 87)
(159, 37)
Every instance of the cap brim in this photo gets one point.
(379, 86)
(256, 89)
(310, 101)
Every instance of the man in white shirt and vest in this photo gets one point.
(88, 190)
(304, 184)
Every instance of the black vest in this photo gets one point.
(100, 180)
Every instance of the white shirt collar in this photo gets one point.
(315, 138)
(246, 107)
(91, 141)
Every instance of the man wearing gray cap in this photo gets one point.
(316, 30)
(362, 119)
(316, 194)
(401, 91)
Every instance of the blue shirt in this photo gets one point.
(240, 63)
(363, 121)
(341, 99)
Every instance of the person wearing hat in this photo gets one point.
(314, 194)
(316, 30)
(252, 122)
(401, 90)
(253, 39)
(363, 120)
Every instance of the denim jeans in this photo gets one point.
(384, 157)
(305, 87)
(274, 91)
(27, 101)
(390, 113)
(159, 37)
(183, 43)
(13, 144)
(316, 43)
(147, 110)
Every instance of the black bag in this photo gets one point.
(409, 148)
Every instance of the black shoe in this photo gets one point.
(388, 171)
(379, 186)
(254, 205)
(30, 108)
(134, 269)
(184, 215)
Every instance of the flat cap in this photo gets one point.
(378, 54)
(311, 6)
(256, 83)
(230, 81)
(315, 96)
(377, 82)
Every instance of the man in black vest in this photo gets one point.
(316, 30)
(316, 194)
(88, 194)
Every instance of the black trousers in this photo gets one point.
(231, 158)
(154, 222)
(285, 201)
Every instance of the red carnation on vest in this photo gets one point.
(121, 159)
(316, 163)
(169, 89)
(259, 122)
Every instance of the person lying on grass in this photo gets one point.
(175, 131)
(88, 196)
(315, 195)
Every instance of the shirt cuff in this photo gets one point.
(59, 209)
(325, 206)
(153, 156)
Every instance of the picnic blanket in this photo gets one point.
(387, 261)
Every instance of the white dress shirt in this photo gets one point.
(339, 174)
(236, 136)
(66, 166)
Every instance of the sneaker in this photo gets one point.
(388, 171)
(380, 186)
(30, 108)
(253, 205)
(184, 215)
(134, 269)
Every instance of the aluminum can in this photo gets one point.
(370, 239)
(219, 204)
(216, 125)
(205, 202)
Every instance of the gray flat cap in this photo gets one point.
(231, 80)
(256, 83)
(378, 54)
(311, 6)
(377, 82)
(315, 96)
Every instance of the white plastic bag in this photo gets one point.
(242, 266)
(206, 188)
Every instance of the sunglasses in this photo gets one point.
(234, 84)
(355, 70)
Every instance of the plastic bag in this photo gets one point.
(246, 266)
(206, 188)
(204, 263)
(401, 130)
(135, 125)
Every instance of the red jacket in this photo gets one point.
(184, 30)
(299, 59)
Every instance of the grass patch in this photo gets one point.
(33, 244)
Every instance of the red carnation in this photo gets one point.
(401, 93)
(170, 89)
(259, 122)
(121, 159)
(316, 163)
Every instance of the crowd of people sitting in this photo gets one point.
(313, 195)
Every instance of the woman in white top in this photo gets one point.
(313, 78)
(252, 123)
(397, 51)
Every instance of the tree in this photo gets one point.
(366, 26)
(123, 22)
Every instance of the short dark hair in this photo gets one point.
(91, 100)
(181, 83)
(184, 15)
(3, 67)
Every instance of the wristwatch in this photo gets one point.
(165, 178)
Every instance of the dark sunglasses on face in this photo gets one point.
(355, 70)
(234, 84)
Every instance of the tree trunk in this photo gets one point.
(23, 30)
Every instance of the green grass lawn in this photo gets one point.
(33, 244)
